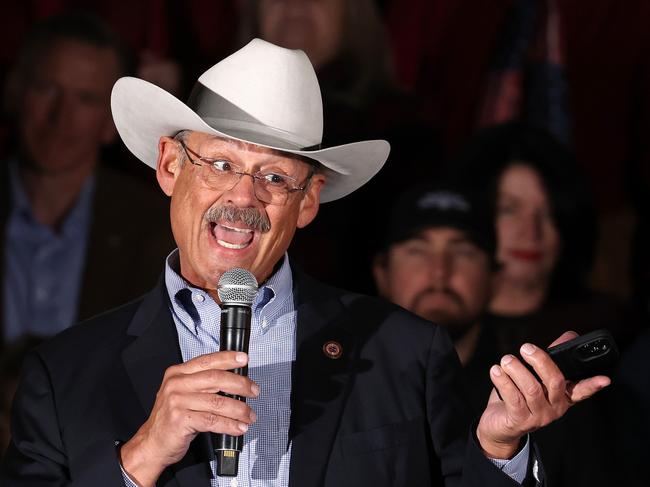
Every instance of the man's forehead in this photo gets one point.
(216, 141)
(441, 236)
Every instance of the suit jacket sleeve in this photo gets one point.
(37, 454)
(448, 412)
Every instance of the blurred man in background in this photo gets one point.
(62, 226)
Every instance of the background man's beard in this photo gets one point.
(456, 322)
(456, 326)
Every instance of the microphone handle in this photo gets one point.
(235, 336)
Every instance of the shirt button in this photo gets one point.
(199, 298)
(234, 483)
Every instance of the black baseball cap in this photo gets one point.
(442, 205)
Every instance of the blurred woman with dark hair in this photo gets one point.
(546, 232)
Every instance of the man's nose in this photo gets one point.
(439, 269)
(59, 107)
(242, 194)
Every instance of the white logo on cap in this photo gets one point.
(443, 200)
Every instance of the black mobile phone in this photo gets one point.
(593, 353)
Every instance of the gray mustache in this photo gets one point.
(251, 217)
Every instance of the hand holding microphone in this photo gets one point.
(188, 401)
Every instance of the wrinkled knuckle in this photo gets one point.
(534, 389)
(203, 361)
(211, 420)
(171, 371)
(218, 402)
(173, 400)
(165, 389)
(168, 375)
(172, 383)
(557, 384)
(517, 402)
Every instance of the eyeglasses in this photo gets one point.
(222, 175)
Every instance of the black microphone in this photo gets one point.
(237, 289)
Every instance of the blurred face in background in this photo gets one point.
(527, 236)
(440, 275)
(315, 26)
(64, 109)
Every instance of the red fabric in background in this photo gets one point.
(145, 25)
(443, 50)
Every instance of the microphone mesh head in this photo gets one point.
(237, 286)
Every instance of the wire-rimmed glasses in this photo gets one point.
(222, 175)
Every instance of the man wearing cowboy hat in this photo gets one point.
(343, 389)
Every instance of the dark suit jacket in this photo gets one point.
(386, 413)
(128, 241)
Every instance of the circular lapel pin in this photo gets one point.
(332, 349)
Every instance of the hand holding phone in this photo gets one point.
(586, 355)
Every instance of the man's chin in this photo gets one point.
(437, 315)
(456, 326)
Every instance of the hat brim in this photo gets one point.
(143, 112)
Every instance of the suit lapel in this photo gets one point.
(320, 383)
(154, 349)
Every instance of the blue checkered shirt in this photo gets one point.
(264, 461)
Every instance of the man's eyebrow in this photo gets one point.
(240, 144)
(464, 241)
(461, 239)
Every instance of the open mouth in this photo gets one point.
(232, 237)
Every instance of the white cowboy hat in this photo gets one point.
(262, 94)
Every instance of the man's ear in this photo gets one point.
(380, 273)
(168, 165)
(310, 201)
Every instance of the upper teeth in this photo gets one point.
(241, 230)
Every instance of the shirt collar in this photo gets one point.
(276, 290)
(75, 222)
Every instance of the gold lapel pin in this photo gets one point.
(332, 349)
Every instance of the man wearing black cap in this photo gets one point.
(438, 261)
